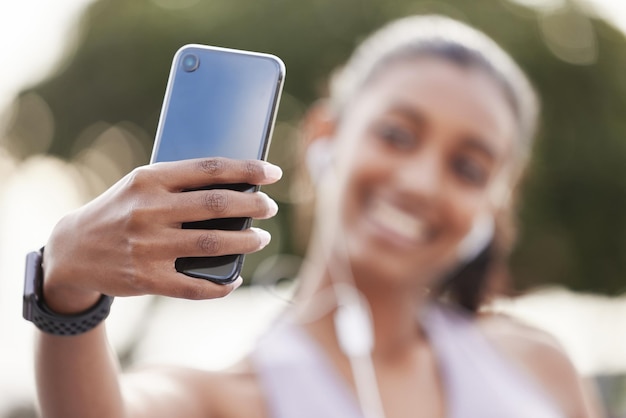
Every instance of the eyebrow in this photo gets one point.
(480, 146)
(406, 111)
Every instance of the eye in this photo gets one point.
(396, 136)
(470, 170)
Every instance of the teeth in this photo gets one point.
(399, 222)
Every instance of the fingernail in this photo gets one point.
(272, 172)
(273, 206)
(237, 283)
(263, 235)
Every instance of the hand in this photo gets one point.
(125, 242)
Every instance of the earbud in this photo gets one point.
(353, 324)
(477, 239)
(318, 158)
(354, 330)
(500, 191)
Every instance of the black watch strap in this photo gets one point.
(36, 311)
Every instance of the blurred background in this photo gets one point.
(81, 85)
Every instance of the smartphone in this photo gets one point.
(219, 102)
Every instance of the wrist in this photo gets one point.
(59, 294)
(65, 320)
(68, 301)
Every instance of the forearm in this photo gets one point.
(78, 376)
(125, 243)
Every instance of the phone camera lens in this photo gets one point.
(190, 62)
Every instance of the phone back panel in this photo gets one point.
(225, 107)
(218, 103)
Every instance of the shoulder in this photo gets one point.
(542, 357)
(528, 344)
(234, 393)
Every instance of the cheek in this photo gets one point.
(464, 208)
(364, 170)
(344, 188)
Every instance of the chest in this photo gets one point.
(405, 396)
(460, 377)
(412, 391)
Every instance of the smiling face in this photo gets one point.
(417, 153)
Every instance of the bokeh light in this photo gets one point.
(72, 123)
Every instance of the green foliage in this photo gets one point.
(574, 206)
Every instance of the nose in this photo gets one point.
(421, 175)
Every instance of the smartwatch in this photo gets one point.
(36, 311)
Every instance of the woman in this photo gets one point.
(425, 134)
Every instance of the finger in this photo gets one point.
(178, 285)
(219, 203)
(213, 242)
(190, 174)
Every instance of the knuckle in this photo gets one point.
(209, 243)
(140, 285)
(137, 284)
(253, 170)
(141, 273)
(136, 250)
(212, 166)
(216, 201)
(136, 218)
(131, 247)
(138, 178)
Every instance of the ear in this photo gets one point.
(319, 122)
(318, 128)
(500, 192)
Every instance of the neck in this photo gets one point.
(394, 309)
(395, 319)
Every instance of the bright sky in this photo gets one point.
(33, 35)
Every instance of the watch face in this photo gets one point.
(31, 282)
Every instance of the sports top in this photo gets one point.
(299, 380)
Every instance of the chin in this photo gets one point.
(376, 265)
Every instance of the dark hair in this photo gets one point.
(441, 37)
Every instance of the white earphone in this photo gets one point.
(355, 334)
(353, 322)
(318, 158)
